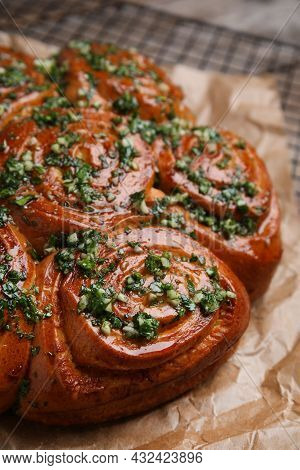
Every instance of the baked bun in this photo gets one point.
(22, 85)
(140, 232)
(123, 81)
(65, 169)
(221, 194)
(136, 320)
(18, 312)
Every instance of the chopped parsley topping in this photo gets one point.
(84, 242)
(196, 176)
(148, 130)
(18, 172)
(126, 103)
(208, 300)
(135, 283)
(56, 102)
(35, 350)
(50, 68)
(172, 131)
(101, 62)
(22, 201)
(65, 260)
(60, 160)
(205, 135)
(227, 226)
(158, 264)
(3, 107)
(4, 216)
(15, 298)
(223, 163)
(97, 301)
(130, 69)
(138, 202)
(240, 144)
(143, 325)
(127, 153)
(13, 76)
(212, 272)
(46, 116)
(173, 220)
(78, 180)
(232, 193)
(65, 142)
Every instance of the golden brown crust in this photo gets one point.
(22, 86)
(74, 381)
(93, 187)
(142, 307)
(14, 349)
(228, 181)
(101, 74)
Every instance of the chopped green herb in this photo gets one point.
(207, 134)
(173, 220)
(129, 69)
(12, 76)
(4, 216)
(143, 325)
(240, 144)
(127, 152)
(47, 117)
(138, 202)
(223, 163)
(35, 350)
(84, 242)
(212, 272)
(158, 264)
(97, 302)
(196, 176)
(77, 180)
(21, 201)
(135, 283)
(65, 260)
(126, 103)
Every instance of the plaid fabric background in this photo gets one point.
(168, 39)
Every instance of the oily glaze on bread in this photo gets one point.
(231, 207)
(17, 272)
(128, 309)
(219, 192)
(122, 81)
(85, 373)
(81, 172)
(22, 85)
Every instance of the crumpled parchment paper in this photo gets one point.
(252, 401)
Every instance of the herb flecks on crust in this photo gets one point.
(123, 81)
(160, 213)
(76, 159)
(151, 286)
(15, 300)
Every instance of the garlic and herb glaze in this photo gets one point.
(125, 232)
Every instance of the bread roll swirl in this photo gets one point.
(17, 309)
(118, 337)
(66, 169)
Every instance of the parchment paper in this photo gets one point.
(253, 400)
